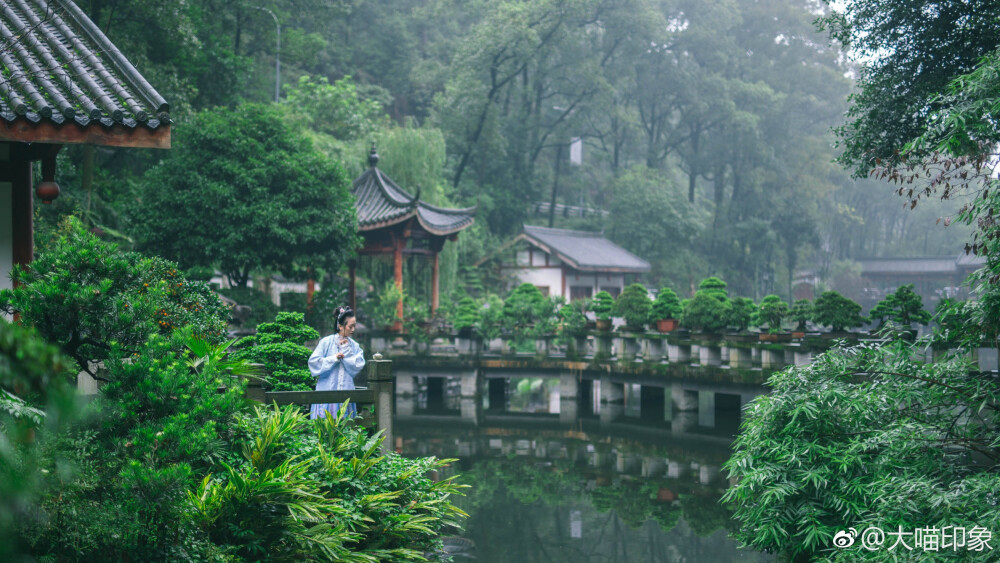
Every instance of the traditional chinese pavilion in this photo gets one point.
(63, 82)
(391, 221)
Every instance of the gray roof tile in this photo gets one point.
(380, 203)
(586, 251)
(60, 66)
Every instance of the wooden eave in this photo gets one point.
(95, 133)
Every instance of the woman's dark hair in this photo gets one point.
(342, 314)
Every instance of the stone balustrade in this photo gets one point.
(741, 351)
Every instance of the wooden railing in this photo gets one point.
(378, 394)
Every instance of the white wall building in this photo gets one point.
(570, 264)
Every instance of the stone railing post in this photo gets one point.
(380, 381)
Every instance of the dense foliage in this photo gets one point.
(82, 295)
(122, 480)
(704, 125)
(242, 190)
(822, 453)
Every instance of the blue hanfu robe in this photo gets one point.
(334, 374)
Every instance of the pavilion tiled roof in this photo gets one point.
(58, 67)
(585, 251)
(380, 202)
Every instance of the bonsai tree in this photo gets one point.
(467, 314)
(665, 306)
(633, 304)
(490, 321)
(524, 306)
(801, 312)
(280, 346)
(706, 313)
(903, 306)
(742, 313)
(603, 304)
(836, 311)
(772, 311)
(572, 318)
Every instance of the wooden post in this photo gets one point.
(21, 207)
(380, 381)
(434, 286)
(398, 271)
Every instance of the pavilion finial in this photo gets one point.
(373, 156)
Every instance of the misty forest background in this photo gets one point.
(707, 125)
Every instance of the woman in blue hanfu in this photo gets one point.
(335, 361)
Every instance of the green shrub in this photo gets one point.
(772, 311)
(524, 306)
(713, 286)
(706, 312)
(742, 312)
(822, 453)
(323, 487)
(279, 346)
(903, 306)
(82, 293)
(490, 324)
(665, 306)
(467, 315)
(836, 311)
(602, 305)
(633, 304)
(801, 312)
(572, 317)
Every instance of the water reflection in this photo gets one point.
(634, 479)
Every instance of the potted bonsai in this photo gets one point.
(602, 306)
(705, 313)
(741, 314)
(467, 316)
(708, 311)
(904, 307)
(665, 310)
(633, 304)
(490, 323)
(801, 313)
(772, 311)
(838, 312)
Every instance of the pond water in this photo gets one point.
(592, 487)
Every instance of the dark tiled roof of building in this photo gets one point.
(919, 265)
(380, 203)
(59, 67)
(585, 251)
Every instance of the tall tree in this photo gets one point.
(243, 191)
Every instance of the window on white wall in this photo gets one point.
(523, 257)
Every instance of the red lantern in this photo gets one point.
(47, 191)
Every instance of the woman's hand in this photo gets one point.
(340, 356)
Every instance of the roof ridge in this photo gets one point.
(554, 230)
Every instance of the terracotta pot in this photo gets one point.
(604, 325)
(665, 495)
(775, 336)
(666, 325)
